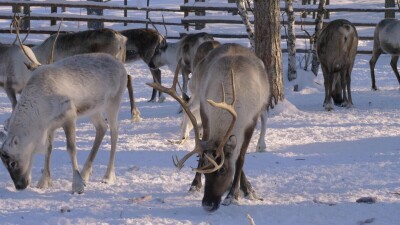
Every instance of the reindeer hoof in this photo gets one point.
(194, 189)
(86, 173)
(261, 147)
(161, 99)
(78, 185)
(44, 183)
(136, 118)
(253, 196)
(109, 178)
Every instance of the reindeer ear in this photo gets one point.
(15, 141)
(231, 143)
(31, 66)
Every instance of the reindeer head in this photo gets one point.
(160, 55)
(17, 160)
(218, 160)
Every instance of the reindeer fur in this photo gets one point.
(336, 49)
(386, 39)
(14, 75)
(56, 95)
(253, 94)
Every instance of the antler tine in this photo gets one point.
(16, 24)
(165, 27)
(172, 92)
(152, 24)
(51, 60)
(230, 108)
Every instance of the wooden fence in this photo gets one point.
(217, 13)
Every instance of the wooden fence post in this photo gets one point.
(99, 12)
(388, 4)
(26, 20)
(53, 21)
(185, 14)
(199, 26)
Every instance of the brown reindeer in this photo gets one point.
(141, 44)
(336, 50)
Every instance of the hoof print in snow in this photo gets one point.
(65, 209)
(368, 200)
(367, 221)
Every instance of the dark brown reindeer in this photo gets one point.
(238, 77)
(386, 40)
(142, 44)
(336, 50)
(89, 41)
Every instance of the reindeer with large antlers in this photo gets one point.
(230, 74)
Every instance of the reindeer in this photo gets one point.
(170, 53)
(89, 41)
(227, 128)
(55, 96)
(141, 44)
(386, 40)
(14, 75)
(336, 50)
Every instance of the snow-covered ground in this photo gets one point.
(317, 165)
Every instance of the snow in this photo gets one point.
(317, 165)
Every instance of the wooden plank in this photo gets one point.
(83, 18)
(83, 4)
(237, 20)
(309, 8)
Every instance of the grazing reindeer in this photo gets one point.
(386, 40)
(336, 50)
(89, 41)
(242, 77)
(55, 96)
(141, 44)
(14, 75)
(170, 54)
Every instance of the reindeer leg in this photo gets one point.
(11, 95)
(101, 128)
(393, 63)
(78, 184)
(196, 183)
(261, 146)
(112, 115)
(376, 52)
(185, 81)
(348, 82)
(328, 86)
(45, 180)
(134, 111)
(157, 78)
(247, 188)
(234, 191)
(343, 79)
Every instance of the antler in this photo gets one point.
(230, 108)
(172, 92)
(51, 60)
(15, 23)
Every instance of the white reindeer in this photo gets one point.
(195, 88)
(105, 40)
(230, 73)
(14, 75)
(182, 51)
(56, 95)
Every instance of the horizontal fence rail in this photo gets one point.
(188, 21)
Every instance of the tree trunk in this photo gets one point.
(268, 42)
(291, 41)
(318, 26)
(388, 4)
(245, 18)
(98, 12)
